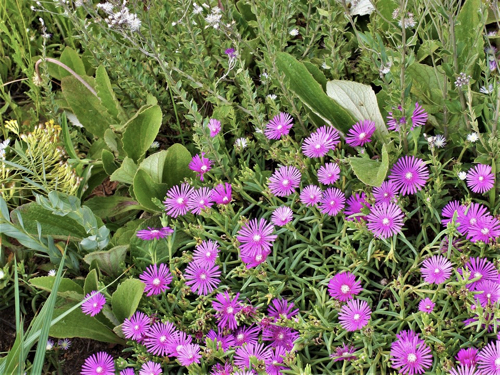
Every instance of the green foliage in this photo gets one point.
(371, 172)
(126, 298)
(109, 261)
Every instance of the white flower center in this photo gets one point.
(178, 347)
(481, 178)
(312, 196)
(95, 304)
(155, 231)
(362, 136)
(386, 221)
(230, 310)
(317, 147)
(409, 175)
(203, 168)
(279, 127)
(285, 182)
(156, 281)
(488, 295)
(485, 231)
(345, 289)
(437, 270)
(497, 362)
(256, 238)
(99, 370)
(411, 357)
(225, 199)
(428, 307)
(477, 274)
(281, 336)
(136, 327)
(356, 317)
(208, 254)
(163, 338)
(240, 337)
(202, 201)
(473, 221)
(386, 195)
(180, 200)
(332, 203)
(203, 276)
(258, 258)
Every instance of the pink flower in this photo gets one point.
(222, 194)
(176, 203)
(282, 216)
(243, 354)
(360, 133)
(410, 355)
(386, 193)
(94, 303)
(206, 253)
(436, 270)
(279, 126)
(256, 237)
(284, 181)
(333, 202)
(328, 174)
(280, 336)
(409, 174)
(227, 309)
(200, 164)
(355, 204)
(150, 368)
(489, 359)
(156, 279)
(154, 233)
(214, 126)
(354, 315)
(157, 338)
(426, 305)
(480, 179)
(343, 286)
(99, 364)
(136, 327)
(311, 195)
(189, 354)
(202, 279)
(385, 220)
(200, 199)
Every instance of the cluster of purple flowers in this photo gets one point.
(410, 354)
(202, 275)
(398, 119)
(485, 362)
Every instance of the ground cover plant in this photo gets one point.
(282, 187)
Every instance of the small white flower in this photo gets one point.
(462, 175)
(213, 19)
(3, 146)
(486, 90)
(272, 96)
(52, 273)
(134, 23)
(325, 66)
(294, 32)
(154, 145)
(50, 345)
(263, 77)
(2, 274)
(439, 141)
(472, 137)
(106, 7)
(197, 9)
(257, 130)
(385, 68)
(241, 142)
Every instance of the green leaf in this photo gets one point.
(86, 106)
(424, 79)
(109, 261)
(70, 58)
(78, 324)
(316, 73)
(468, 35)
(68, 145)
(145, 189)
(303, 84)
(141, 131)
(371, 172)
(360, 101)
(126, 298)
(107, 96)
(108, 162)
(91, 283)
(107, 207)
(126, 172)
(67, 289)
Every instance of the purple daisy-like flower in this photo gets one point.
(385, 220)
(282, 216)
(317, 145)
(490, 292)
(449, 210)
(177, 341)
(246, 335)
(200, 164)
(136, 326)
(469, 216)
(419, 116)
(199, 200)
(489, 359)
(189, 354)
(150, 368)
(284, 181)
(360, 133)
(486, 228)
(214, 125)
(410, 355)
(331, 133)
(256, 238)
(396, 119)
(222, 369)
(281, 307)
(223, 341)
(206, 253)
(480, 179)
(156, 279)
(202, 279)
(332, 202)
(328, 174)
(355, 205)
(127, 371)
(464, 370)
(386, 193)
(253, 260)
(227, 308)
(221, 194)
(436, 270)
(280, 336)
(467, 357)
(243, 354)
(409, 174)
(94, 303)
(354, 315)
(158, 338)
(279, 126)
(230, 52)
(154, 233)
(176, 203)
(311, 195)
(480, 268)
(344, 286)
(274, 365)
(343, 353)
(426, 305)
(99, 364)
(64, 344)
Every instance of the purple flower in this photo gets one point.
(343, 286)
(436, 270)
(227, 309)
(317, 145)
(280, 307)
(230, 52)
(127, 371)
(332, 202)
(222, 194)
(355, 315)
(50, 345)
(256, 237)
(222, 341)
(464, 370)
(343, 353)
(219, 369)
(467, 357)
(274, 364)
(396, 119)
(136, 327)
(246, 335)
(419, 117)
(214, 125)
(490, 292)
(426, 305)
(279, 126)
(469, 216)
(94, 303)
(360, 133)
(355, 205)
(480, 179)
(282, 216)
(410, 355)
(479, 268)
(177, 200)
(200, 164)
(154, 233)
(150, 368)
(99, 364)
(331, 133)
(202, 279)
(156, 279)
(177, 341)
(199, 200)
(449, 210)
(385, 220)
(284, 181)
(386, 193)
(189, 354)
(328, 174)
(64, 344)
(206, 253)
(311, 195)
(487, 228)
(280, 336)
(158, 338)
(489, 359)
(409, 174)
(243, 354)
